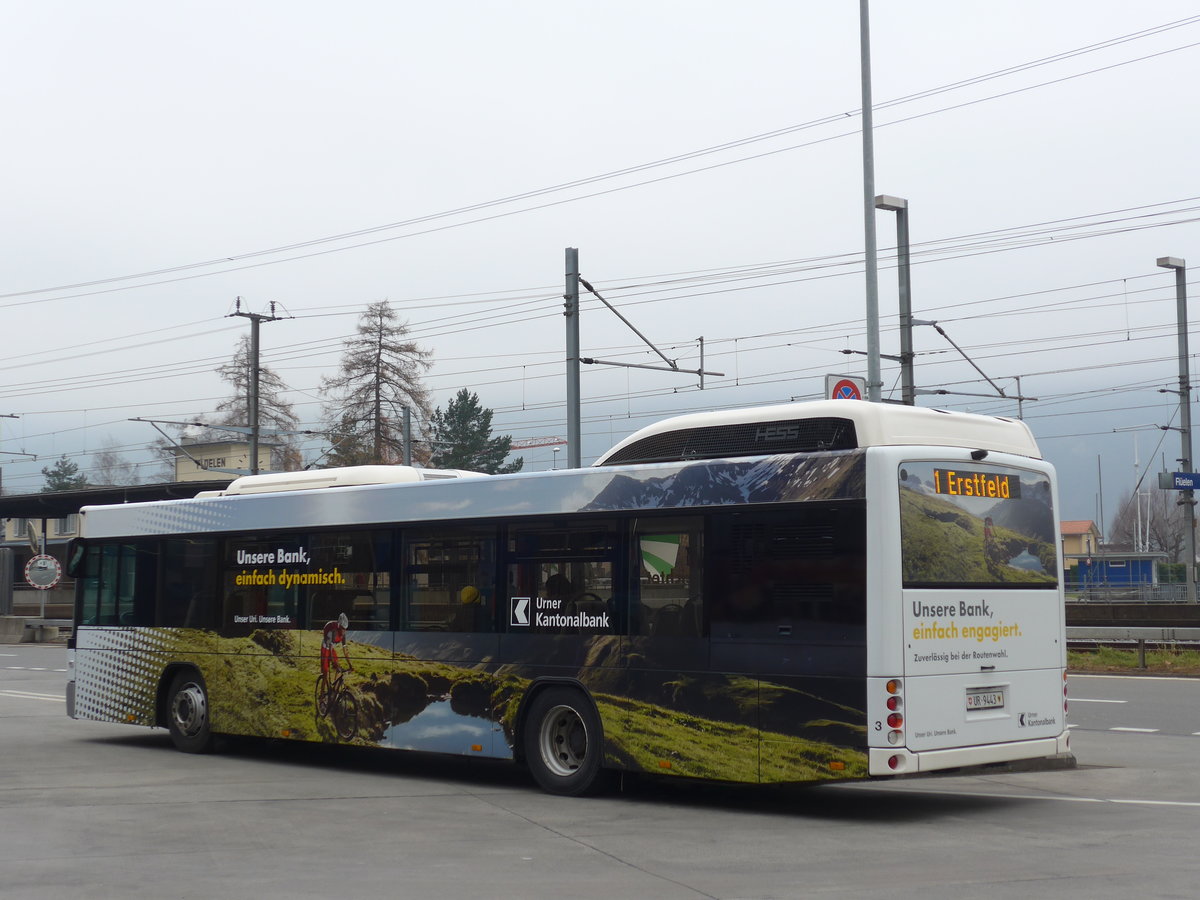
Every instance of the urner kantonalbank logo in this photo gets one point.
(1033, 720)
(544, 612)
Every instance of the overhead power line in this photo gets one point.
(245, 257)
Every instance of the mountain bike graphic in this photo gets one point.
(335, 700)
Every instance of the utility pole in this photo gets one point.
(574, 360)
(571, 312)
(407, 436)
(252, 400)
(1188, 498)
(874, 379)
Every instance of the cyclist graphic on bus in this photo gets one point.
(334, 634)
(333, 698)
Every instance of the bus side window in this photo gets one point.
(355, 571)
(563, 576)
(119, 583)
(799, 575)
(450, 580)
(669, 559)
(89, 587)
(189, 583)
(140, 594)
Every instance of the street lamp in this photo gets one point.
(554, 458)
(899, 206)
(1185, 412)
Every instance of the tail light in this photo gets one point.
(895, 705)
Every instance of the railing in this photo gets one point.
(1138, 636)
(1129, 593)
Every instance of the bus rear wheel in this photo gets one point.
(563, 745)
(187, 713)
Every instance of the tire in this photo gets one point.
(346, 714)
(188, 718)
(322, 695)
(563, 743)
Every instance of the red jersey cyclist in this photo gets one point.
(334, 634)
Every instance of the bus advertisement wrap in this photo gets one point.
(980, 567)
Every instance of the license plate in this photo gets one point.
(985, 700)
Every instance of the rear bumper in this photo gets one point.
(909, 763)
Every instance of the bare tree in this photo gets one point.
(378, 378)
(274, 413)
(110, 467)
(1161, 523)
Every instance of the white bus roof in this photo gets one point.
(346, 476)
(874, 424)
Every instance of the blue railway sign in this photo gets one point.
(1179, 481)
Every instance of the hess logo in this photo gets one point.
(777, 433)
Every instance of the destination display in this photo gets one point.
(990, 485)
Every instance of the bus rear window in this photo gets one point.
(976, 526)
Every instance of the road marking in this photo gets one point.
(1138, 730)
(1059, 798)
(27, 695)
(1157, 802)
(1175, 679)
(1083, 700)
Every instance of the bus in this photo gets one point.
(827, 590)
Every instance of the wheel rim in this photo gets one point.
(189, 711)
(563, 741)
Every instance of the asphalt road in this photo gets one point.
(96, 810)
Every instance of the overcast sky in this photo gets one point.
(161, 160)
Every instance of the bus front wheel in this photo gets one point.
(187, 713)
(563, 746)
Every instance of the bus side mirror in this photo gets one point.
(76, 554)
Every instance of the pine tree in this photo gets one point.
(63, 476)
(462, 438)
(378, 378)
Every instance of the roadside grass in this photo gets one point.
(1167, 661)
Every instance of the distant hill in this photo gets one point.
(1025, 515)
(945, 544)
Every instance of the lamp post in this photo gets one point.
(899, 206)
(1185, 414)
